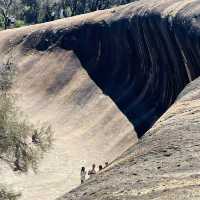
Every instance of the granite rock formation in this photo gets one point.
(140, 55)
(164, 165)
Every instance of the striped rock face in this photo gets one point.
(163, 165)
(53, 87)
(99, 79)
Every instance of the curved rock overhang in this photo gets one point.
(141, 56)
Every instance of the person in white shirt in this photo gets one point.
(92, 172)
(83, 174)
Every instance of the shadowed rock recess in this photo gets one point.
(141, 55)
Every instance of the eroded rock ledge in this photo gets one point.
(141, 55)
(154, 53)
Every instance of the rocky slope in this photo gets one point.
(164, 164)
(141, 56)
(52, 86)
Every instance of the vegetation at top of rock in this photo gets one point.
(16, 13)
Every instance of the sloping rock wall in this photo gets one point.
(140, 55)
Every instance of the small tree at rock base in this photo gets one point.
(21, 144)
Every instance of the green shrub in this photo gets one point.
(21, 144)
(19, 23)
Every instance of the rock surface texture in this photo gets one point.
(140, 55)
(164, 165)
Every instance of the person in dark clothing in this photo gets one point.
(83, 174)
(92, 172)
(100, 167)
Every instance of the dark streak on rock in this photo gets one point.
(142, 61)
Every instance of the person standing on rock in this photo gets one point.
(83, 174)
(106, 164)
(100, 168)
(92, 172)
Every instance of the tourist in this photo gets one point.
(100, 167)
(92, 172)
(106, 164)
(83, 174)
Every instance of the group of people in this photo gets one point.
(91, 172)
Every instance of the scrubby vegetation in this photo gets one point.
(21, 12)
(21, 144)
(19, 23)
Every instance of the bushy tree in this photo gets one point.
(9, 9)
(5, 8)
(75, 7)
(21, 144)
(31, 11)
